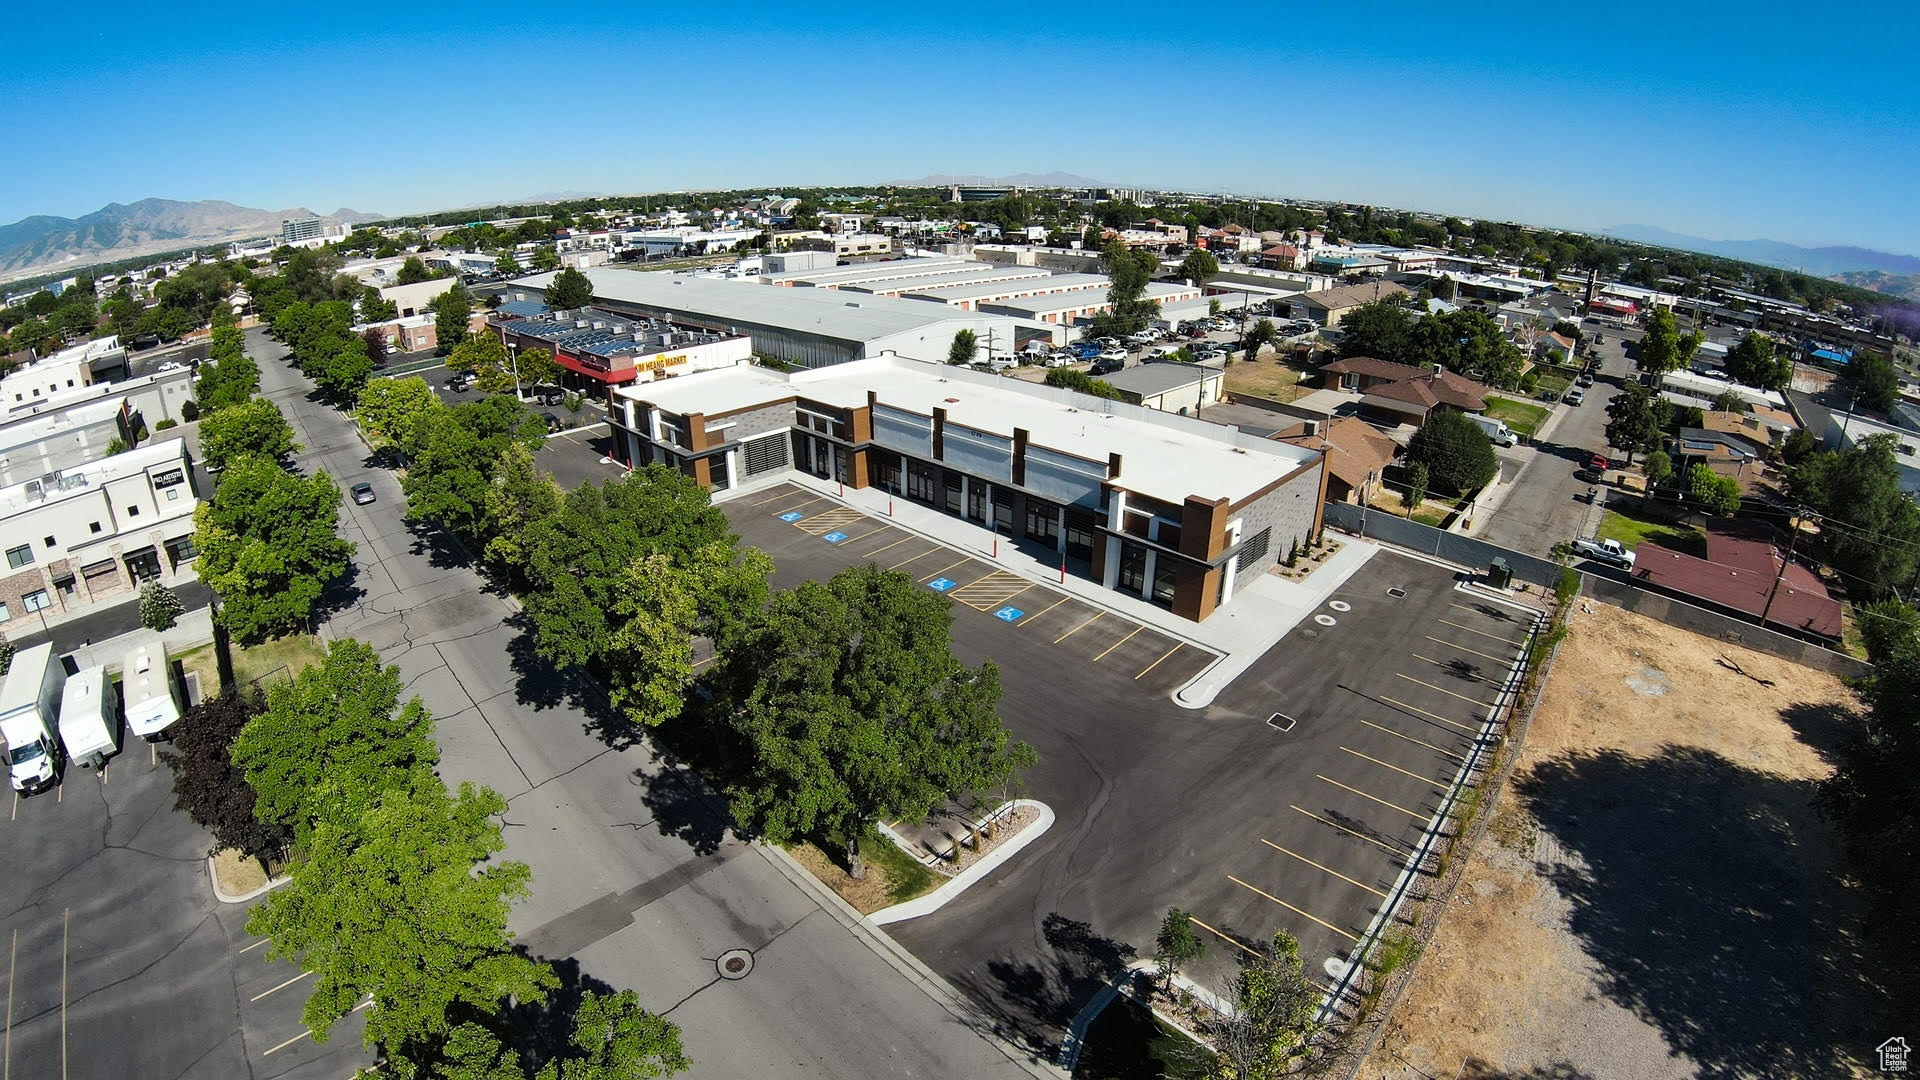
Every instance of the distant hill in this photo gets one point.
(1052, 179)
(42, 243)
(1821, 261)
(1906, 286)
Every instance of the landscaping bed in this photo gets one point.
(1519, 415)
(1632, 531)
(893, 876)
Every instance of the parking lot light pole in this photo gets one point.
(513, 360)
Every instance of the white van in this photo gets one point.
(152, 703)
(1497, 430)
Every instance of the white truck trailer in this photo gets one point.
(150, 699)
(89, 723)
(29, 708)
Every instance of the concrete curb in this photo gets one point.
(897, 957)
(240, 898)
(971, 876)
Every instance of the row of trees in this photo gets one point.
(1466, 341)
(324, 346)
(396, 898)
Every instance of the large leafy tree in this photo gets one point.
(392, 407)
(1129, 272)
(519, 496)
(1871, 378)
(1456, 451)
(452, 454)
(1873, 535)
(614, 1038)
(661, 605)
(537, 367)
(268, 546)
(1635, 418)
(1198, 266)
(1663, 348)
(1274, 1017)
(1756, 362)
(850, 705)
(1382, 329)
(1711, 492)
(254, 426)
(342, 371)
(1083, 382)
(451, 313)
(1467, 341)
(402, 903)
(575, 557)
(413, 271)
(209, 787)
(569, 289)
(228, 382)
(332, 734)
(966, 345)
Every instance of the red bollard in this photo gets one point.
(889, 505)
(843, 490)
(996, 545)
(1063, 571)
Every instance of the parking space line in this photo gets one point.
(1449, 693)
(943, 570)
(1423, 712)
(828, 521)
(1476, 652)
(1177, 646)
(905, 539)
(1483, 633)
(1228, 938)
(13, 954)
(1417, 816)
(798, 505)
(1476, 677)
(1328, 869)
(1477, 611)
(1351, 832)
(284, 1045)
(1077, 629)
(1395, 768)
(1411, 739)
(1355, 938)
(775, 498)
(998, 600)
(1119, 643)
(916, 558)
(282, 986)
(1050, 607)
(265, 941)
(869, 532)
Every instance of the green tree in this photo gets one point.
(1874, 535)
(1084, 383)
(227, 382)
(546, 258)
(1729, 400)
(1198, 266)
(1418, 479)
(850, 707)
(575, 557)
(964, 348)
(375, 308)
(1713, 493)
(1176, 944)
(1659, 468)
(268, 546)
(539, 368)
(160, 609)
(1275, 1018)
(1456, 451)
(506, 265)
(519, 496)
(1871, 379)
(569, 290)
(1756, 362)
(391, 407)
(1261, 335)
(1444, 288)
(450, 315)
(660, 606)
(478, 353)
(404, 903)
(333, 733)
(1663, 348)
(1382, 329)
(1129, 310)
(254, 426)
(1635, 418)
(413, 271)
(6, 655)
(615, 1039)
(451, 456)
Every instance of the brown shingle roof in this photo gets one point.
(1436, 388)
(1354, 449)
(1347, 296)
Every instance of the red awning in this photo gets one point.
(573, 364)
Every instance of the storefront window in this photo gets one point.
(1133, 568)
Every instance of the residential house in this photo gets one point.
(1328, 306)
(1402, 393)
(1357, 455)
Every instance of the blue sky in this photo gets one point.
(1730, 121)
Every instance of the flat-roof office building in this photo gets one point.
(1174, 510)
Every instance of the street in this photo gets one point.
(637, 881)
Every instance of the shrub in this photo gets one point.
(190, 410)
(163, 425)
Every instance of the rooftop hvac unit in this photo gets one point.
(598, 325)
(579, 324)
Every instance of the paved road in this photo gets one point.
(635, 880)
(102, 623)
(1547, 504)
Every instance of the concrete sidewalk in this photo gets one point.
(1260, 614)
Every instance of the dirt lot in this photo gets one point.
(1657, 895)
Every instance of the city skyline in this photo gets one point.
(1715, 124)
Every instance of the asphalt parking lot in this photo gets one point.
(1293, 802)
(814, 536)
(120, 961)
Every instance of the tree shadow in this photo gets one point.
(543, 1031)
(1032, 1002)
(539, 683)
(685, 806)
(1475, 1069)
(1826, 728)
(340, 594)
(443, 550)
(1706, 896)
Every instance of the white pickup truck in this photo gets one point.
(1606, 551)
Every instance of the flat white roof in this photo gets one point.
(721, 390)
(1048, 284)
(94, 474)
(1709, 387)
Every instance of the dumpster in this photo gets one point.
(1499, 574)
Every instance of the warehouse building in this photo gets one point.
(1175, 510)
(804, 327)
(599, 349)
(1169, 387)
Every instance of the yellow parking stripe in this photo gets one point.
(1117, 644)
(1233, 941)
(1355, 938)
(940, 571)
(1328, 869)
(1482, 633)
(1176, 648)
(1476, 652)
(895, 544)
(1417, 816)
(776, 497)
(1050, 607)
(1395, 768)
(1449, 693)
(1356, 835)
(1411, 739)
(1077, 629)
(1423, 712)
(916, 558)
(798, 505)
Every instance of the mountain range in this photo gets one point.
(1052, 179)
(43, 243)
(1819, 261)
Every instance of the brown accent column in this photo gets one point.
(939, 434)
(1196, 591)
(1203, 528)
(860, 426)
(1113, 465)
(696, 431)
(1020, 457)
(858, 465)
(701, 471)
(1099, 557)
(1320, 507)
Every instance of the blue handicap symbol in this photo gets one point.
(1009, 614)
(792, 515)
(941, 584)
(834, 537)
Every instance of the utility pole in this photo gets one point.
(1793, 533)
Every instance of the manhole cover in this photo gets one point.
(1325, 620)
(1280, 722)
(1340, 605)
(735, 964)
(1396, 592)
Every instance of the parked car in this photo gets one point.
(1599, 462)
(1585, 379)
(553, 422)
(1108, 342)
(1107, 365)
(1576, 396)
(362, 493)
(1059, 358)
(1119, 355)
